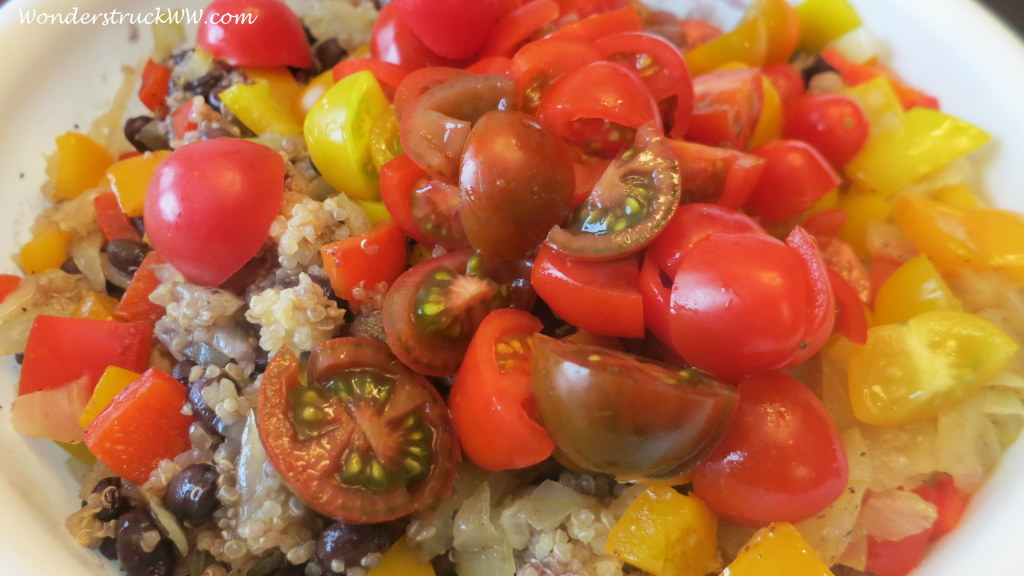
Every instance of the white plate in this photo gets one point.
(57, 77)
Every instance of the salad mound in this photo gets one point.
(530, 288)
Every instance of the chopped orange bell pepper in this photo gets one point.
(47, 250)
(130, 178)
(401, 560)
(777, 550)
(78, 165)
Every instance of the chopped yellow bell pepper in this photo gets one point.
(777, 550)
(925, 141)
(747, 43)
(908, 372)
(110, 384)
(977, 237)
(769, 124)
(667, 534)
(78, 165)
(861, 209)
(956, 195)
(47, 250)
(312, 92)
(257, 108)
(401, 560)
(283, 86)
(129, 179)
(914, 287)
(822, 21)
(95, 305)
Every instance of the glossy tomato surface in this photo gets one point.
(254, 33)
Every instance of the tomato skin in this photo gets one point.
(785, 79)
(539, 64)
(517, 182)
(274, 37)
(360, 263)
(491, 399)
(720, 175)
(781, 459)
(433, 20)
(599, 106)
(599, 297)
(310, 457)
(426, 209)
(832, 123)
(517, 25)
(392, 40)
(726, 107)
(612, 412)
(897, 557)
(210, 204)
(795, 176)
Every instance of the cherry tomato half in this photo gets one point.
(616, 413)
(491, 400)
(726, 107)
(361, 438)
(517, 182)
(393, 40)
(795, 176)
(781, 460)
(210, 204)
(254, 33)
(434, 20)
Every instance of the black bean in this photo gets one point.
(108, 547)
(819, 66)
(70, 267)
(204, 415)
(126, 255)
(19, 358)
(112, 499)
(139, 225)
(141, 549)
(291, 570)
(262, 360)
(443, 565)
(192, 493)
(181, 371)
(145, 134)
(328, 53)
(343, 546)
(211, 84)
(132, 127)
(381, 3)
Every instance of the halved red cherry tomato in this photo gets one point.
(254, 33)
(781, 460)
(491, 399)
(612, 412)
(517, 182)
(359, 264)
(719, 175)
(601, 24)
(785, 79)
(851, 317)
(599, 297)
(435, 126)
(833, 124)
(726, 107)
(599, 106)
(518, 25)
(434, 20)
(537, 65)
(662, 68)
(630, 205)
(361, 438)
(745, 303)
(392, 40)
(795, 176)
(210, 204)
(433, 308)
(425, 208)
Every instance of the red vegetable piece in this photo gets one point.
(135, 305)
(113, 222)
(726, 107)
(360, 263)
(795, 176)
(8, 283)
(254, 33)
(142, 426)
(433, 22)
(716, 175)
(156, 78)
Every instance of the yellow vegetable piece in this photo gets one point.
(110, 384)
(956, 195)
(914, 287)
(95, 305)
(777, 550)
(878, 99)
(283, 86)
(769, 124)
(822, 21)
(385, 143)
(401, 560)
(861, 208)
(312, 92)
(79, 451)
(257, 108)
(337, 132)
(47, 250)
(977, 237)
(375, 210)
(78, 165)
(667, 534)
(129, 179)
(925, 141)
(908, 372)
(747, 43)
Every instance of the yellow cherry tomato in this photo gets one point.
(777, 550)
(385, 143)
(915, 287)
(769, 123)
(337, 132)
(908, 372)
(666, 533)
(312, 92)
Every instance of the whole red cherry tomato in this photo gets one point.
(433, 22)
(210, 204)
(834, 124)
(781, 460)
(795, 176)
(254, 33)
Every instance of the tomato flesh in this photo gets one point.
(358, 436)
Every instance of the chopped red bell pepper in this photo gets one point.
(114, 223)
(363, 262)
(156, 79)
(142, 426)
(135, 305)
(61, 351)
(854, 74)
(8, 283)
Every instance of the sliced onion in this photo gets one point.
(112, 274)
(494, 561)
(896, 514)
(86, 255)
(860, 45)
(551, 503)
(168, 524)
(474, 529)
